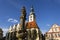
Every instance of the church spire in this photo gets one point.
(32, 15)
(23, 17)
(32, 9)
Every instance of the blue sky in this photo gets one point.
(47, 12)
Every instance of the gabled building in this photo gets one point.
(53, 33)
(25, 30)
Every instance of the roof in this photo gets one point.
(54, 29)
(28, 25)
(31, 25)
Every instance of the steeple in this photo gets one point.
(21, 29)
(32, 15)
(10, 29)
(32, 9)
(23, 17)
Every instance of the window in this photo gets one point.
(55, 29)
(55, 35)
(58, 34)
(52, 29)
(49, 35)
(30, 16)
(34, 34)
(52, 36)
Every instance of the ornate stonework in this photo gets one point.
(25, 30)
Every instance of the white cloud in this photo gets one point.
(4, 31)
(47, 24)
(12, 20)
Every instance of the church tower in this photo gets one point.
(23, 17)
(25, 30)
(22, 29)
(34, 32)
(32, 15)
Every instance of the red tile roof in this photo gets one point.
(31, 25)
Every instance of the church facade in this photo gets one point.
(25, 30)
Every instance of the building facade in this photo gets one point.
(53, 33)
(25, 30)
(1, 34)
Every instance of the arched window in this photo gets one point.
(34, 34)
(58, 34)
(55, 35)
(29, 33)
